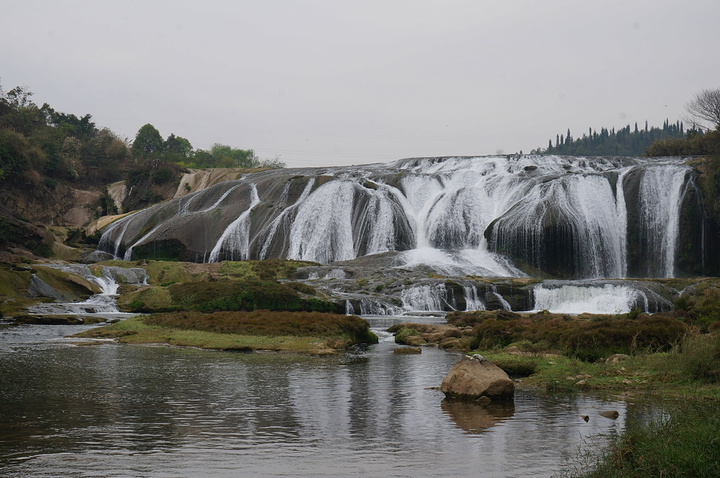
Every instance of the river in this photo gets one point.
(115, 411)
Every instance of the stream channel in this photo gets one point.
(160, 411)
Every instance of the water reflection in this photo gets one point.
(475, 418)
(111, 410)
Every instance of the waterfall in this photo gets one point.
(472, 298)
(322, 230)
(426, 297)
(574, 299)
(661, 194)
(284, 216)
(234, 242)
(485, 216)
(103, 304)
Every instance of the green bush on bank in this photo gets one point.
(222, 295)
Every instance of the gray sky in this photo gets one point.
(331, 82)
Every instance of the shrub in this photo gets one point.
(269, 323)
(699, 357)
(586, 338)
(243, 295)
(160, 176)
(516, 366)
(404, 333)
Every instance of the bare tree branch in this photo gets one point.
(705, 108)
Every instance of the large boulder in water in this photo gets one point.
(474, 377)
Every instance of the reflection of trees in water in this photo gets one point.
(472, 417)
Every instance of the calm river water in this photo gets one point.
(114, 410)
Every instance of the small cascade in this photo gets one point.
(499, 298)
(372, 307)
(472, 298)
(578, 299)
(349, 309)
(426, 298)
(234, 242)
(99, 305)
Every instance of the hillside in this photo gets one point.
(59, 172)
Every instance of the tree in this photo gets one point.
(177, 145)
(148, 142)
(229, 157)
(705, 108)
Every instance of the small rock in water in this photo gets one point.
(408, 350)
(612, 414)
(585, 417)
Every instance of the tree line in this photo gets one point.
(149, 144)
(41, 145)
(702, 111)
(626, 141)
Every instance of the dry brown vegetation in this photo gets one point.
(588, 338)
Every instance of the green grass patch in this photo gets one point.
(692, 366)
(259, 330)
(403, 334)
(516, 366)
(243, 295)
(270, 269)
(68, 285)
(14, 282)
(148, 299)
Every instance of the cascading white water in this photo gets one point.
(284, 216)
(322, 230)
(438, 212)
(428, 298)
(103, 304)
(472, 298)
(573, 299)
(661, 193)
(235, 240)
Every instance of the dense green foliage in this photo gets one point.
(246, 285)
(41, 146)
(243, 295)
(149, 144)
(608, 142)
(37, 141)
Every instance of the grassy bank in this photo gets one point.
(302, 332)
(690, 367)
(684, 441)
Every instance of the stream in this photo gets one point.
(158, 411)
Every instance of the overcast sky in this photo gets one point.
(332, 82)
